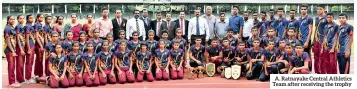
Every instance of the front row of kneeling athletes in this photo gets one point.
(93, 69)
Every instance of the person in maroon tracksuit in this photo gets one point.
(20, 49)
(329, 44)
(58, 68)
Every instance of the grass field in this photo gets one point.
(83, 21)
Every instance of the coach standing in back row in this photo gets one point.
(236, 22)
(198, 27)
(104, 24)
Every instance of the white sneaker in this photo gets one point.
(25, 83)
(32, 81)
(15, 85)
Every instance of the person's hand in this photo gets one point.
(70, 76)
(239, 59)
(198, 62)
(157, 70)
(57, 78)
(23, 53)
(29, 52)
(62, 77)
(332, 51)
(306, 45)
(173, 68)
(104, 75)
(13, 54)
(347, 54)
(91, 77)
(167, 70)
(80, 75)
(53, 54)
(178, 68)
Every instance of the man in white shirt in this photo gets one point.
(198, 27)
(248, 25)
(211, 20)
(135, 24)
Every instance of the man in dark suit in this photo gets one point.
(119, 23)
(171, 27)
(182, 23)
(158, 25)
(147, 20)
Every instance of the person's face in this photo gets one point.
(54, 19)
(60, 20)
(221, 17)
(136, 14)
(40, 19)
(271, 13)
(70, 35)
(143, 47)
(31, 19)
(214, 43)
(105, 45)
(21, 19)
(320, 10)
(282, 44)
(329, 18)
(299, 49)
(303, 10)
(235, 11)
(11, 20)
(76, 46)
(164, 35)
(270, 32)
(179, 33)
(168, 17)
(182, 15)
(121, 35)
(209, 10)
(158, 16)
(145, 13)
(271, 45)
(176, 45)
(90, 46)
(58, 48)
(117, 13)
(105, 13)
(135, 36)
(230, 33)
(255, 31)
(110, 37)
(54, 36)
(255, 16)
(96, 33)
(197, 13)
(151, 35)
(82, 37)
(90, 18)
(262, 16)
(342, 19)
(241, 46)
(245, 15)
(280, 13)
(288, 49)
(225, 42)
(74, 18)
(198, 41)
(291, 32)
(292, 14)
(161, 44)
(122, 45)
(49, 19)
(256, 43)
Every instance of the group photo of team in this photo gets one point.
(113, 50)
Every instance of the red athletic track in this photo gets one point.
(207, 82)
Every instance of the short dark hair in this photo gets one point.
(135, 10)
(104, 9)
(271, 10)
(255, 12)
(321, 6)
(245, 12)
(330, 13)
(304, 5)
(292, 10)
(263, 12)
(158, 13)
(281, 9)
(222, 13)
(343, 14)
(235, 7)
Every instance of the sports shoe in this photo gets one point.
(15, 85)
(32, 81)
